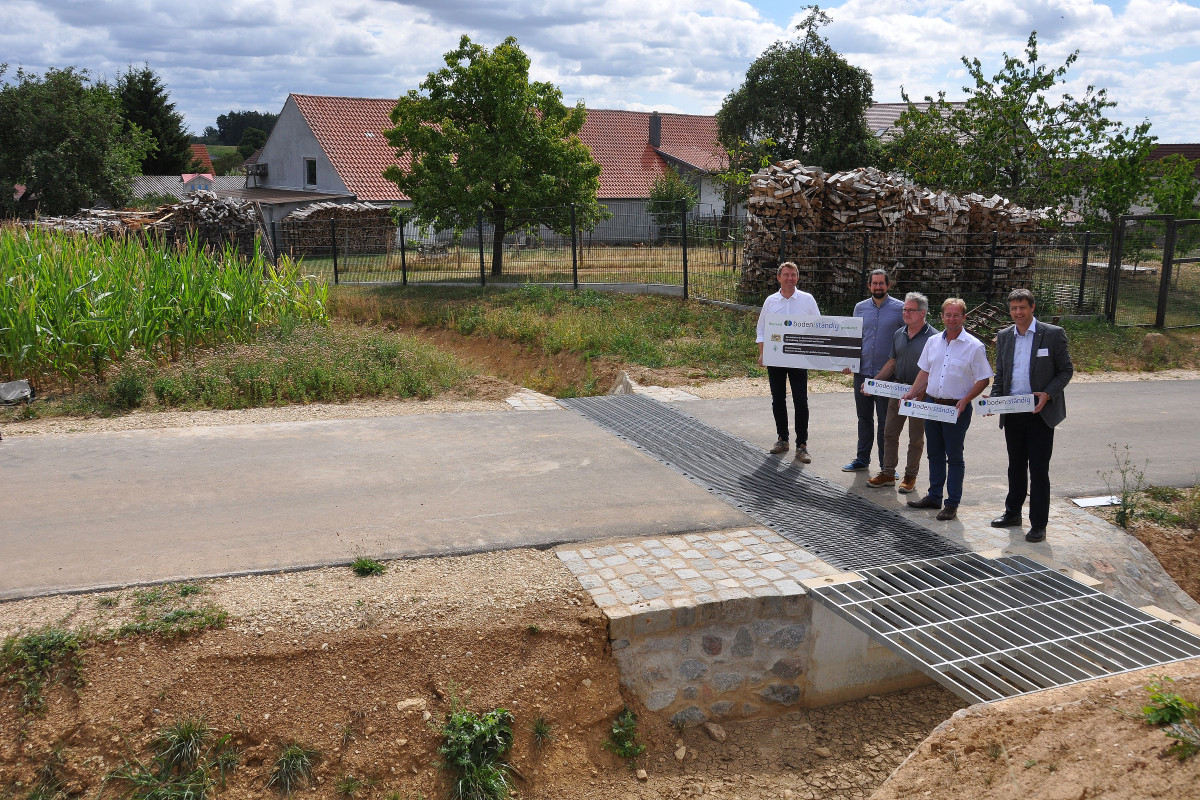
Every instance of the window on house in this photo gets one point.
(310, 172)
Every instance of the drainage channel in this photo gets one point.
(827, 520)
(984, 628)
(988, 629)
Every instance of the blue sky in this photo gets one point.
(635, 54)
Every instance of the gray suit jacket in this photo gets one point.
(1048, 373)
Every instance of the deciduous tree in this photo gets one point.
(145, 103)
(1014, 135)
(479, 135)
(65, 139)
(1174, 186)
(668, 191)
(805, 98)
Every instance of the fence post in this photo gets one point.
(333, 241)
(1087, 246)
(574, 251)
(991, 267)
(1115, 257)
(403, 254)
(865, 263)
(1160, 318)
(683, 241)
(274, 244)
(482, 271)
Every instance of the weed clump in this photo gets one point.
(1178, 715)
(189, 762)
(473, 748)
(38, 659)
(293, 768)
(365, 567)
(623, 738)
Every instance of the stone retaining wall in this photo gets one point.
(750, 657)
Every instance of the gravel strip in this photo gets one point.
(309, 602)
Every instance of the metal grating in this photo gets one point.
(988, 629)
(836, 525)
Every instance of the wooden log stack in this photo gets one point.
(830, 223)
(214, 222)
(360, 228)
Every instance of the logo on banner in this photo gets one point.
(787, 323)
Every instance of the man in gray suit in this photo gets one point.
(1031, 358)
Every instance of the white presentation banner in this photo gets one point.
(923, 410)
(1018, 403)
(805, 341)
(885, 388)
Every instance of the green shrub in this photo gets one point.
(128, 388)
(40, 658)
(293, 768)
(473, 748)
(1166, 707)
(623, 738)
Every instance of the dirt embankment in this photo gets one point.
(364, 669)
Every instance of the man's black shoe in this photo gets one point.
(1007, 520)
(925, 502)
(1036, 535)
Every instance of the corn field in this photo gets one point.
(71, 305)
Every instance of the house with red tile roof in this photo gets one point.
(202, 158)
(336, 145)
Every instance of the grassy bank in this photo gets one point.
(375, 349)
(645, 330)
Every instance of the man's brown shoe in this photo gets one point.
(948, 513)
(881, 480)
(908, 484)
(802, 454)
(925, 502)
(781, 446)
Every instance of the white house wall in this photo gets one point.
(290, 143)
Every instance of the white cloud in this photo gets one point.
(639, 54)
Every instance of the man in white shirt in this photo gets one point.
(954, 370)
(788, 300)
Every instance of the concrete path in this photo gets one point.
(106, 509)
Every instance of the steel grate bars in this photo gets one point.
(990, 629)
(822, 517)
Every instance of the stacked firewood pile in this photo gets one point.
(923, 237)
(213, 221)
(358, 228)
(97, 221)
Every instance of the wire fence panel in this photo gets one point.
(1136, 272)
(1183, 293)
(639, 247)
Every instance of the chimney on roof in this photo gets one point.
(655, 129)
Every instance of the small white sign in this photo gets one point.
(885, 388)
(934, 411)
(1008, 404)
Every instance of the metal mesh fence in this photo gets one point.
(661, 249)
(1183, 294)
